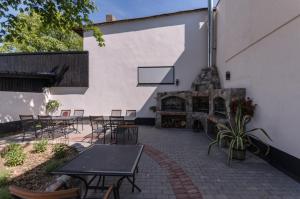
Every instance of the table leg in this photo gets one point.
(85, 184)
(132, 182)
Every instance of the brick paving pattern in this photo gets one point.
(181, 183)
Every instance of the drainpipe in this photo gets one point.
(210, 33)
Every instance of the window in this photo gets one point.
(156, 75)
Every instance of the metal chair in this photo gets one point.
(127, 134)
(131, 113)
(79, 117)
(114, 122)
(50, 127)
(65, 113)
(28, 124)
(98, 126)
(73, 193)
(116, 113)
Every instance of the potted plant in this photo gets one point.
(246, 104)
(52, 106)
(238, 137)
(247, 108)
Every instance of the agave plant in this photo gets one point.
(236, 134)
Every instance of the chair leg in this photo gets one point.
(77, 124)
(23, 136)
(92, 138)
(104, 137)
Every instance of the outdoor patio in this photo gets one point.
(175, 164)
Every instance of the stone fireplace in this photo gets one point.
(194, 108)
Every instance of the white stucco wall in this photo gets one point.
(259, 43)
(179, 40)
(13, 104)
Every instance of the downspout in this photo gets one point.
(210, 34)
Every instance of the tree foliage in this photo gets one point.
(63, 16)
(34, 37)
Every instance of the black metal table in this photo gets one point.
(101, 160)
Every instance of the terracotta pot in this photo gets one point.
(239, 154)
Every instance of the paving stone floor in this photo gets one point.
(213, 178)
(175, 164)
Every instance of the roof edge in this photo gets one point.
(151, 16)
(43, 53)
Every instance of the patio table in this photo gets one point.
(65, 120)
(105, 160)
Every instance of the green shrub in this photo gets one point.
(52, 165)
(4, 177)
(4, 193)
(60, 151)
(14, 155)
(52, 106)
(40, 146)
(10, 147)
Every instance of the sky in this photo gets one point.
(127, 9)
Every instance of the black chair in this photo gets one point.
(28, 124)
(65, 113)
(116, 113)
(131, 113)
(50, 127)
(79, 117)
(98, 126)
(114, 122)
(69, 123)
(127, 134)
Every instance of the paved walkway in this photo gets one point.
(175, 164)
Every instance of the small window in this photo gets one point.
(156, 75)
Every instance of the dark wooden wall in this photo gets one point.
(72, 67)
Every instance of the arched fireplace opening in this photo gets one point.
(219, 107)
(173, 103)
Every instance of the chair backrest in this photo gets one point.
(131, 113)
(62, 194)
(116, 113)
(26, 117)
(116, 120)
(79, 113)
(45, 120)
(96, 121)
(27, 122)
(127, 134)
(65, 113)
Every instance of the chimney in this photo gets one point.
(110, 18)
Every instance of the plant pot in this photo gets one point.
(239, 154)
(224, 143)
